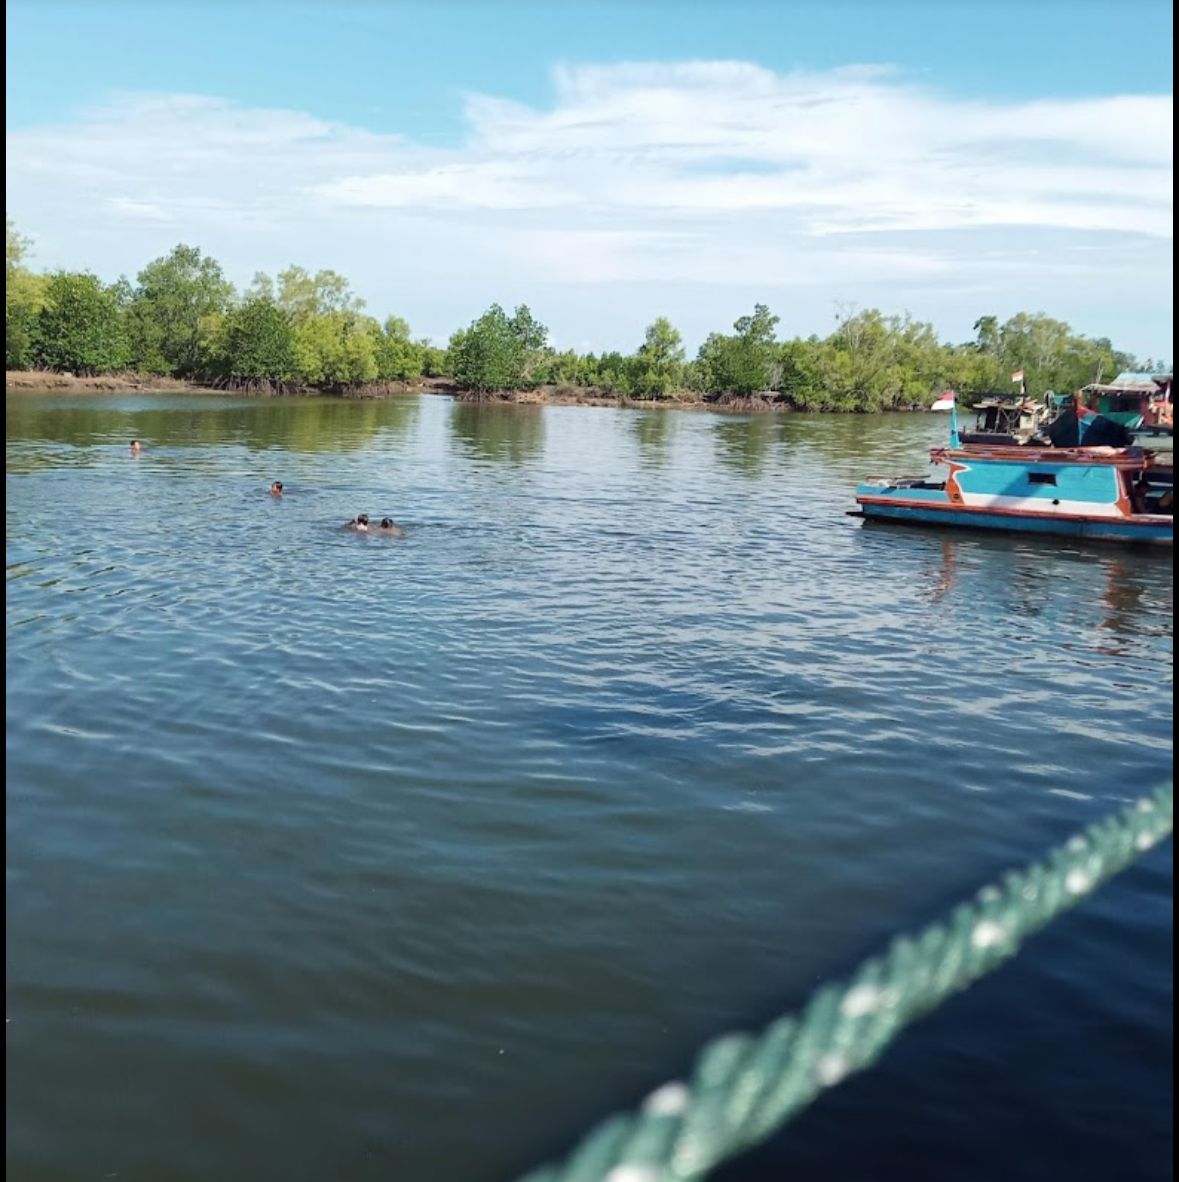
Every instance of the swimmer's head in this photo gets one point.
(362, 519)
(276, 488)
(386, 523)
(136, 445)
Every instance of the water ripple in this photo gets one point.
(346, 857)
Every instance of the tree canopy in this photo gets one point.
(500, 352)
(745, 362)
(81, 326)
(309, 329)
(659, 363)
(257, 343)
(175, 312)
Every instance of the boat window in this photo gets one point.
(1041, 478)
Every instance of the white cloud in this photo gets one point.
(145, 210)
(724, 176)
(478, 185)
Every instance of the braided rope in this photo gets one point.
(744, 1087)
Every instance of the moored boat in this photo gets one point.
(1139, 401)
(1107, 493)
(1009, 418)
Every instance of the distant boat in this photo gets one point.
(1139, 401)
(1106, 493)
(1009, 418)
(945, 401)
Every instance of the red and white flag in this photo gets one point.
(1017, 376)
(945, 401)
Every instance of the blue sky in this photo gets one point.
(608, 163)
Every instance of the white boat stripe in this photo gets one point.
(1041, 505)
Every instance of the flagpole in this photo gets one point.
(955, 441)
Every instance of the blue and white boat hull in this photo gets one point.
(1106, 494)
(1156, 531)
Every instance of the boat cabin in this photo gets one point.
(1133, 399)
(1007, 418)
(1151, 491)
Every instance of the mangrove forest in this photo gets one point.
(303, 330)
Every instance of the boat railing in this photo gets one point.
(897, 481)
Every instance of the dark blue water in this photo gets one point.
(333, 857)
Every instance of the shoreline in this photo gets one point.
(46, 382)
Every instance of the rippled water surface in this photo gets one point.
(333, 857)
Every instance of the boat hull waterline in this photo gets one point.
(1104, 494)
(1158, 532)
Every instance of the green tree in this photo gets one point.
(744, 363)
(486, 355)
(1033, 342)
(335, 349)
(857, 367)
(534, 352)
(176, 311)
(311, 328)
(498, 351)
(257, 343)
(529, 331)
(81, 326)
(24, 296)
(398, 357)
(16, 246)
(986, 335)
(659, 363)
(614, 373)
(435, 361)
(334, 345)
(874, 362)
(801, 382)
(23, 300)
(304, 295)
(969, 370)
(563, 369)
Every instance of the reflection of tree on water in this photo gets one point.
(855, 446)
(653, 429)
(744, 444)
(298, 424)
(497, 431)
(326, 424)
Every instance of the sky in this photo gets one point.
(607, 163)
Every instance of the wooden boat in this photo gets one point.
(1139, 401)
(1121, 494)
(1009, 418)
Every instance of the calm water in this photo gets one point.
(333, 857)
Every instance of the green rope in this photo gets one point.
(745, 1087)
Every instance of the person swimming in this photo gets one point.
(390, 527)
(359, 523)
(276, 488)
(136, 447)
